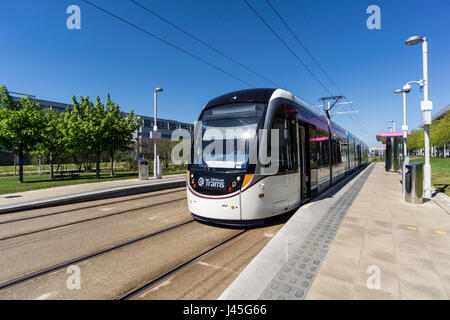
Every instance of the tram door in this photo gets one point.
(304, 164)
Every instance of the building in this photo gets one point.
(165, 126)
(441, 113)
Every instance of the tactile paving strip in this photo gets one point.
(295, 278)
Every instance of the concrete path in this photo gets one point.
(404, 246)
(50, 193)
(358, 240)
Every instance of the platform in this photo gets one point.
(358, 240)
(87, 191)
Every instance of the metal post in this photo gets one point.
(393, 125)
(405, 150)
(329, 142)
(327, 109)
(426, 127)
(139, 133)
(155, 128)
(404, 127)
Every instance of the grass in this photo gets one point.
(10, 184)
(377, 159)
(440, 170)
(46, 167)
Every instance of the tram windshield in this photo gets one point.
(228, 133)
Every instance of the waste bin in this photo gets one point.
(143, 169)
(414, 183)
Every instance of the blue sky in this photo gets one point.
(40, 56)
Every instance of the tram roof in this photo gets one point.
(263, 95)
(248, 95)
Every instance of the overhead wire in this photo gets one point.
(168, 43)
(206, 44)
(350, 113)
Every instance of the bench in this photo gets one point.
(71, 173)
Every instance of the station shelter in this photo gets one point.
(394, 149)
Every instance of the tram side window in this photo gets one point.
(344, 149)
(325, 153)
(337, 155)
(318, 147)
(294, 140)
(287, 135)
(351, 151)
(333, 152)
(313, 154)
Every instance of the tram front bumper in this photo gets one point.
(221, 208)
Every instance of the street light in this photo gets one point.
(414, 40)
(426, 106)
(393, 124)
(156, 172)
(405, 90)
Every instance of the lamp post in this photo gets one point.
(155, 129)
(393, 125)
(405, 90)
(426, 106)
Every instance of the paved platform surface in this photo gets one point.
(358, 241)
(57, 192)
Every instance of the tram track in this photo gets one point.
(88, 256)
(89, 206)
(148, 285)
(92, 219)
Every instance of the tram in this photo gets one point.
(230, 183)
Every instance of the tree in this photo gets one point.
(415, 141)
(88, 127)
(101, 129)
(165, 147)
(75, 135)
(54, 142)
(440, 132)
(21, 125)
(120, 129)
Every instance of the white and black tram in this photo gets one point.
(228, 183)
